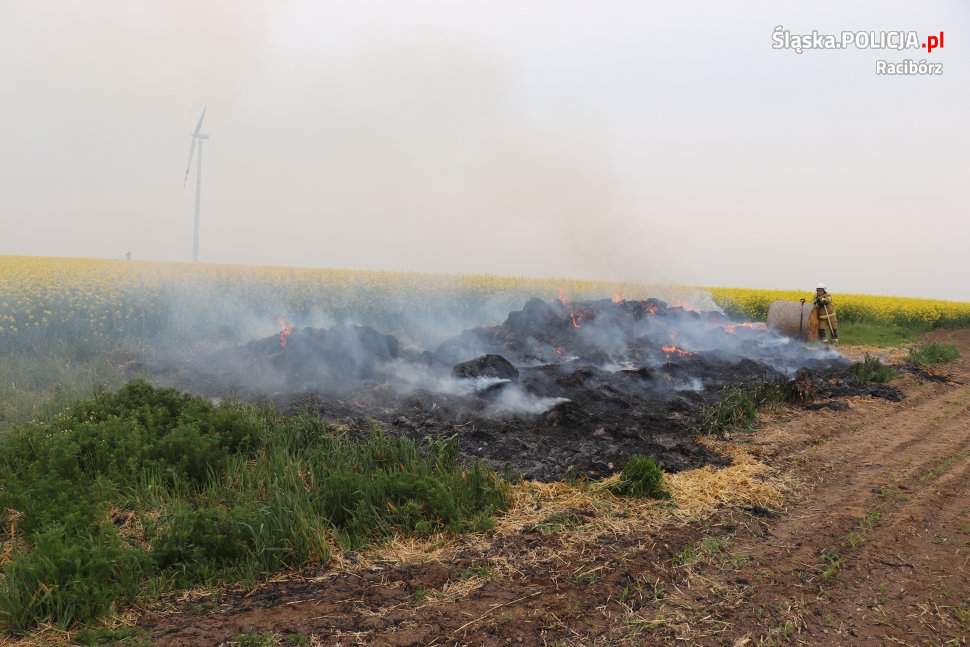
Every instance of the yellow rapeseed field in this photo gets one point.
(69, 296)
(905, 311)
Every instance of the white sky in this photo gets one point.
(661, 141)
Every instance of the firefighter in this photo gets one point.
(828, 326)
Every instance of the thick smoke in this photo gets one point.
(683, 348)
(549, 388)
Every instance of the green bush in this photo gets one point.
(197, 542)
(933, 353)
(642, 478)
(385, 484)
(67, 577)
(216, 542)
(223, 493)
(871, 369)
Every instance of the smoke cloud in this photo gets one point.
(650, 143)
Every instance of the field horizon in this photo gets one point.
(527, 278)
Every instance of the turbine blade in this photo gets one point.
(188, 166)
(198, 126)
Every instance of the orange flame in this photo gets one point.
(286, 330)
(618, 297)
(575, 318)
(652, 309)
(673, 350)
(750, 325)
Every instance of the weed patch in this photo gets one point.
(711, 549)
(933, 353)
(871, 369)
(832, 564)
(121, 637)
(256, 640)
(221, 493)
(738, 407)
(642, 478)
(832, 560)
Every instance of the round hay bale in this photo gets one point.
(794, 319)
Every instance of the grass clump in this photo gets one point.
(871, 369)
(933, 353)
(70, 574)
(641, 478)
(738, 407)
(149, 489)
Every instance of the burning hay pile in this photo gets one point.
(558, 388)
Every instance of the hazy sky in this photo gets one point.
(647, 141)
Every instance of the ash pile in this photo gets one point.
(557, 389)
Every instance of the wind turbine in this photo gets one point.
(198, 138)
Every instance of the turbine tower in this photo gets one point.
(198, 138)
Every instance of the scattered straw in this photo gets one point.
(579, 515)
(890, 355)
(700, 492)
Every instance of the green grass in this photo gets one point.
(737, 410)
(642, 478)
(832, 564)
(933, 353)
(120, 637)
(711, 549)
(145, 490)
(256, 640)
(866, 333)
(832, 560)
(871, 369)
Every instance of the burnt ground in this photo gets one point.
(871, 546)
(556, 390)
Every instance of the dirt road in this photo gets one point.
(871, 547)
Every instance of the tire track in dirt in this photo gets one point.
(861, 557)
(855, 466)
(915, 561)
